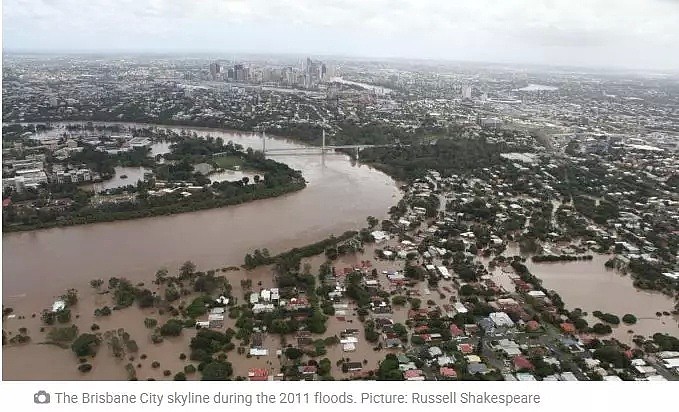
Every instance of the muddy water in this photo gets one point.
(589, 285)
(134, 174)
(40, 265)
(338, 198)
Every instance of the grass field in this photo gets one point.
(228, 162)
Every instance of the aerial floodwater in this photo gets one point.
(40, 265)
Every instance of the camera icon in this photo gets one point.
(41, 397)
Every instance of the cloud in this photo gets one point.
(577, 31)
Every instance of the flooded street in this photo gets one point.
(589, 285)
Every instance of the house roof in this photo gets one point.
(521, 362)
(412, 373)
(567, 327)
(448, 372)
(477, 367)
(258, 374)
(465, 348)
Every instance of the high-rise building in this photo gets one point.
(467, 92)
(214, 70)
(238, 72)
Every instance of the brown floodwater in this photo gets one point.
(339, 196)
(591, 286)
(40, 265)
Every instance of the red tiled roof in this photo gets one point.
(258, 374)
(6, 202)
(567, 327)
(465, 348)
(412, 373)
(455, 331)
(448, 372)
(308, 369)
(522, 363)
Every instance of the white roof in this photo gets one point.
(501, 319)
(58, 305)
(348, 347)
(656, 378)
(537, 293)
(460, 308)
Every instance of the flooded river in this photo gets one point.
(339, 196)
(40, 265)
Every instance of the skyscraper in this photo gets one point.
(467, 92)
(214, 70)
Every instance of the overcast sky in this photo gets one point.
(625, 33)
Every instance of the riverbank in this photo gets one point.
(143, 198)
(161, 211)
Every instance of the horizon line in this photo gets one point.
(206, 53)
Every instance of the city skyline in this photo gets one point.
(594, 34)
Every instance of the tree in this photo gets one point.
(629, 319)
(172, 327)
(48, 317)
(161, 275)
(316, 322)
(601, 329)
(180, 376)
(85, 345)
(70, 298)
(324, 367)
(187, 269)
(372, 221)
(172, 294)
(415, 303)
(398, 300)
(217, 371)
(389, 370)
(293, 353)
(146, 299)
(401, 330)
(96, 283)
(63, 315)
(467, 290)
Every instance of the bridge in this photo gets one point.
(312, 150)
(319, 149)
